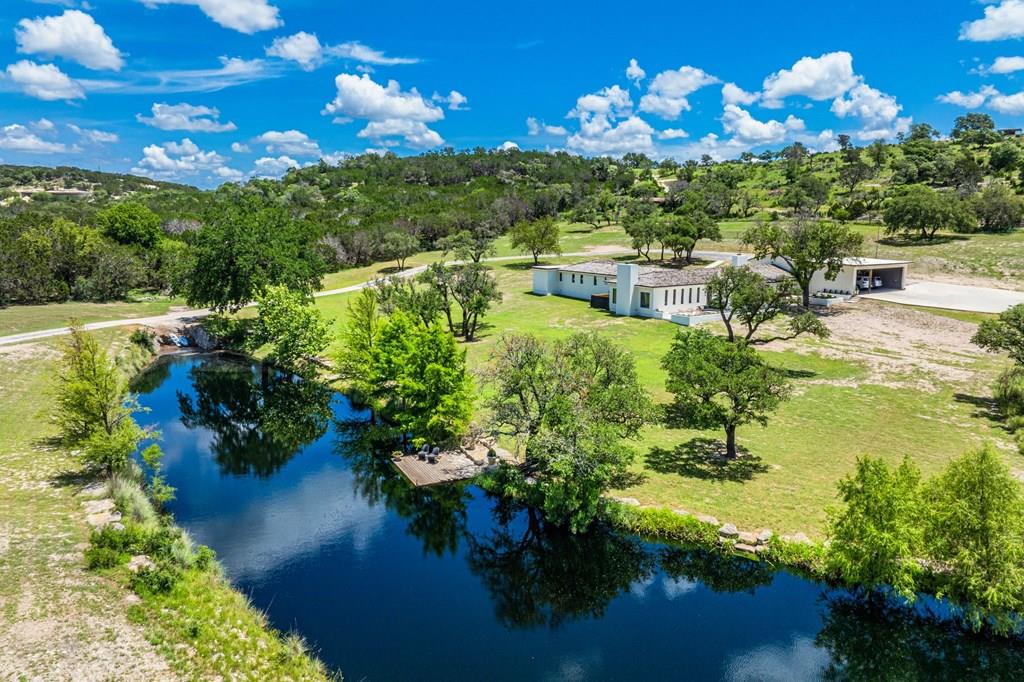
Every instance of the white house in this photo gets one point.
(635, 290)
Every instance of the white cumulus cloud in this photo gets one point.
(270, 167)
(817, 78)
(1004, 65)
(746, 129)
(177, 159)
(878, 112)
(672, 134)
(667, 93)
(240, 148)
(635, 73)
(1001, 21)
(186, 117)
(455, 100)
(293, 142)
(734, 94)
(415, 134)
(302, 48)
(244, 16)
(43, 81)
(602, 136)
(361, 53)
(73, 35)
(507, 145)
(18, 138)
(968, 100)
(535, 128)
(362, 97)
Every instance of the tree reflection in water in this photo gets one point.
(715, 571)
(541, 575)
(879, 640)
(436, 515)
(259, 419)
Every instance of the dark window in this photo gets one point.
(645, 299)
(614, 291)
(666, 296)
(698, 294)
(674, 296)
(691, 295)
(574, 279)
(559, 277)
(595, 281)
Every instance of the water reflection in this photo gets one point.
(259, 419)
(541, 575)
(295, 492)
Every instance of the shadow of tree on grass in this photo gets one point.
(985, 407)
(704, 458)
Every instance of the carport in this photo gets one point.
(891, 276)
(892, 273)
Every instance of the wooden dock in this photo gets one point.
(451, 466)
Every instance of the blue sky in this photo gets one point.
(203, 91)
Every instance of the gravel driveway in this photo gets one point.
(952, 297)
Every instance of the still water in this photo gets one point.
(389, 582)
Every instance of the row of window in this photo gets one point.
(685, 296)
(573, 275)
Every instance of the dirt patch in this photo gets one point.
(607, 248)
(899, 346)
(19, 352)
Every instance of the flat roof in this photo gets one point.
(859, 262)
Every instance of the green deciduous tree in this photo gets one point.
(130, 224)
(876, 537)
(805, 248)
(974, 128)
(998, 209)
(244, 247)
(399, 246)
(975, 526)
(1003, 334)
(293, 327)
(572, 403)
(471, 287)
(358, 342)
(536, 238)
(922, 211)
(720, 384)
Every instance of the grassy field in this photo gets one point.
(29, 318)
(854, 395)
(60, 621)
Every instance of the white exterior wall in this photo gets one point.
(545, 281)
(582, 288)
(682, 300)
(627, 297)
(845, 280)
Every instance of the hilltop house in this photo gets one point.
(680, 295)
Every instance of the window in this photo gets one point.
(574, 279)
(614, 291)
(645, 299)
(691, 295)
(595, 281)
(674, 296)
(698, 294)
(666, 296)
(559, 277)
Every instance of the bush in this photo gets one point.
(182, 551)
(142, 337)
(1009, 393)
(103, 557)
(132, 501)
(661, 524)
(158, 580)
(205, 558)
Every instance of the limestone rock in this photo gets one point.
(704, 518)
(798, 537)
(764, 537)
(680, 512)
(728, 531)
(748, 538)
(743, 547)
(140, 562)
(631, 501)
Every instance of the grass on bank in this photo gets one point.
(838, 412)
(202, 629)
(29, 318)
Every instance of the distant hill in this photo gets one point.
(24, 178)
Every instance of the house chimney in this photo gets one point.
(740, 259)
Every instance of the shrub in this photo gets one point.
(158, 580)
(142, 337)
(205, 558)
(182, 551)
(103, 557)
(1009, 393)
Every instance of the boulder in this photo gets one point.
(140, 562)
(764, 537)
(680, 512)
(728, 531)
(631, 501)
(704, 518)
(748, 538)
(117, 525)
(743, 547)
(798, 537)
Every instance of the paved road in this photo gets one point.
(184, 315)
(952, 297)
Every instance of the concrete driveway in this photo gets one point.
(952, 297)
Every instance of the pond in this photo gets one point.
(391, 582)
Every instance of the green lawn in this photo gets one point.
(58, 620)
(842, 408)
(30, 318)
